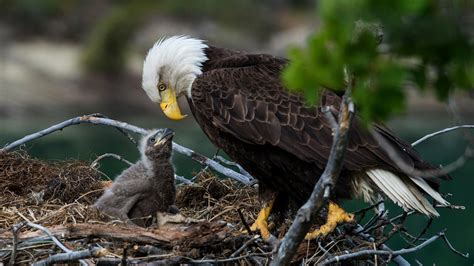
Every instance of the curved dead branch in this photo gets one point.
(98, 119)
(410, 170)
(440, 132)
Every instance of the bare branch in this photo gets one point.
(370, 252)
(112, 155)
(166, 236)
(397, 259)
(213, 164)
(307, 213)
(329, 116)
(90, 119)
(231, 163)
(120, 158)
(121, 130)
(446, 240)
(375, 205)
(244, 222)
(72, 256)
(239, 250)
(15, 229)
(93, 119)
(52, 237)
(423, 232)
(228, 259)
(48, 233)
(374, 220)
(410, 170)
(183, 179)
(443, 131)
(452, 207)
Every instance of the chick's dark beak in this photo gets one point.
(167, 134)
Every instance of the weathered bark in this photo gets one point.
(194, 235)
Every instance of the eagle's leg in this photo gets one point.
(261, 223)
(336, 215)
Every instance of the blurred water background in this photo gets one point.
(60, 59)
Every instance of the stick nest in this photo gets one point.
(59, 195)
(65, 182)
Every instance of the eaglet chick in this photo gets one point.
(146, 187)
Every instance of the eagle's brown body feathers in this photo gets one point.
(240, 103)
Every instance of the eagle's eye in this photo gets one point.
(151, 140)
(161, 87)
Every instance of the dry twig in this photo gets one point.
(370, 252)
(72, 256)
(109, 155)
(52, 237)
(307, 213)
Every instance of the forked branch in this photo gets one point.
(307, 213)
(98, 119)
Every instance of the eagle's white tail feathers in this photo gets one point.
(429, 190)
(406, 194)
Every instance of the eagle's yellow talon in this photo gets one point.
(336, 215)
(261, 223)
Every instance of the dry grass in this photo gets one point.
(60, 193)
(47, 193)
(40, 181)
(217, 199)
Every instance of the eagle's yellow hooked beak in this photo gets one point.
(169, 104)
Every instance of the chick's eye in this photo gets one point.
(151, 140)
(161, 87)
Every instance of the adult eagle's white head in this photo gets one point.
(169, 70)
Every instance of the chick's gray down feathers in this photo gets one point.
(146, 187)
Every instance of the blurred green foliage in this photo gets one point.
(109, 26)
(107, 47)
(425, 43)
(54, 19)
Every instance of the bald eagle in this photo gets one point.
(241, 104)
